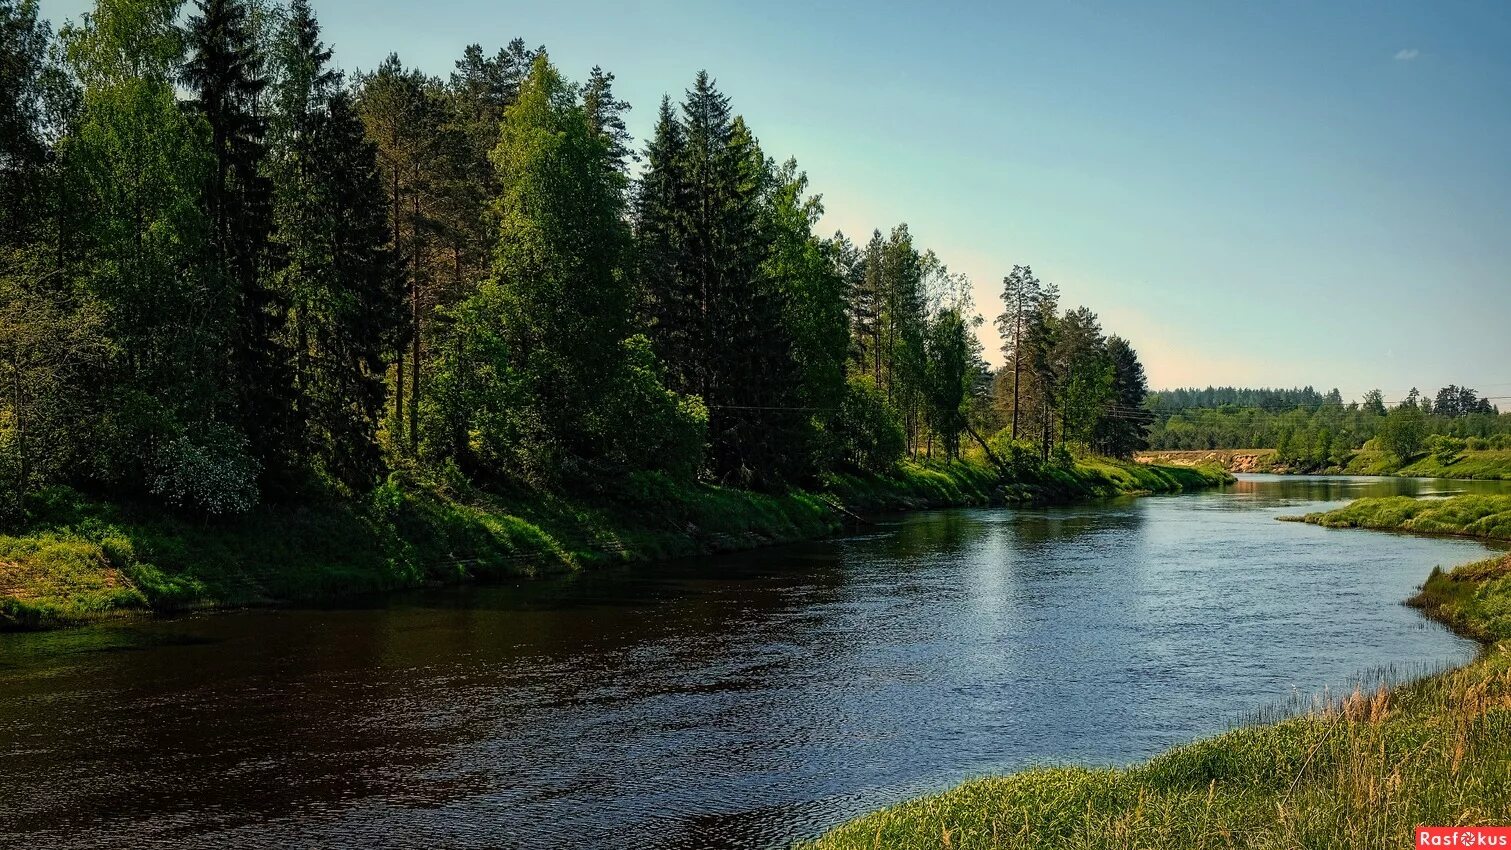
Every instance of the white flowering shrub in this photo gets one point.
(211, 473)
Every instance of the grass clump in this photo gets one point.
(1362, 771)
(1469, 515)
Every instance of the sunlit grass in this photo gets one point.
(1471, 515)
(1489, 464)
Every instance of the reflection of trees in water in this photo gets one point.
(935, 534)
(1281, 489)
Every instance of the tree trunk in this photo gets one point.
(1017, 360)
(990, 455)
(398, 397)
(414, 374)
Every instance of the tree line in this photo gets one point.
(231, 273)
(1317, 429)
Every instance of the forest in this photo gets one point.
(1309, 429)
(232, 275)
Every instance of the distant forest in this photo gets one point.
(231, 274)
(1316, 428)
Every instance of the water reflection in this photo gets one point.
(740, 701)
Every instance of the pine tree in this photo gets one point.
(405, 113)
(1019, 291)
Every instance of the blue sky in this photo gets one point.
(1278, 193)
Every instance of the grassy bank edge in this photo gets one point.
(1361, 771)
(1469, 465)
(80, 560)
(1482, 516)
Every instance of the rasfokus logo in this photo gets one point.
(1463, 836)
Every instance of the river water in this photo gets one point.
(739, 701)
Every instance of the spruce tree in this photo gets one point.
(666, 305)
(1124, 430)
(225, 72)
(335, 272)
(605, 114)
(715, 313)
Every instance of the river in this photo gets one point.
(739, 701)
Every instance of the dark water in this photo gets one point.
(738, 701)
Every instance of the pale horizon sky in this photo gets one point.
(1273, 194)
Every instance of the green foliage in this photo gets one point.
(470, 407)
(1019, 459)
(135, 167)
(1445, 449)
(1299, 421)
(654, 428)
(562, 301)
(281, 287)
(210, 473)
(865, 432)
(1404, 431)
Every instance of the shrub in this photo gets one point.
(865, 432)
(1444, 448)
(1019, 459)
(209, 473)
(651, 427)
(1404, 431)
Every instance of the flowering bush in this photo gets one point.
(209, 473)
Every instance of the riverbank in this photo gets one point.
(1470, 515)
(1362, 771)
(76, 559)
(1469, 464)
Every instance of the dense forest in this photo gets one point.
(232, 274)
(1308, 428)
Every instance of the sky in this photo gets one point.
(1254, 194)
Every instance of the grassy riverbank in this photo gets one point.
(1472, 464)
(1471, 515)
(1489, 464)
(1360, 772)
(76, 559)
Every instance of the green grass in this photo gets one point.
(1485, 464)
(1358, 772)
(1491, 464)
(1470, 515)
(77, 559)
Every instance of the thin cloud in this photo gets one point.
(1406, 54)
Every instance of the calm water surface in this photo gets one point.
(739, 701)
